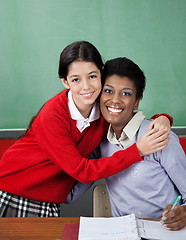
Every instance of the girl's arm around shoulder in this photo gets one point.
(63, 144)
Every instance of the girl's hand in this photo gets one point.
(160, 122)
(176, 219)
(153, 141)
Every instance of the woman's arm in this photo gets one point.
(77, 191)
(173, 160)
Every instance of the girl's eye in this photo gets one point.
(75, 80)
(106, 90)
(93, 77)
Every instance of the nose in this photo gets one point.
(85, 84)
(115, 98)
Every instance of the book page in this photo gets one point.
(154, 229)
(114, 228)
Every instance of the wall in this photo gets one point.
(34, 32)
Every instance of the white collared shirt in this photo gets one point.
(129, 131)
(81, 122)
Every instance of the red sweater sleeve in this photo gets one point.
(164, 114)
(54, 136)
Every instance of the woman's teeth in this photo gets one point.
(115, 110)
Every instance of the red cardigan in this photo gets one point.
(45, 163)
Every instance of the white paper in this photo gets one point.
(154, 229)
(125, 228)
(118, 228)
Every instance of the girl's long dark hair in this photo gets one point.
(77, 51)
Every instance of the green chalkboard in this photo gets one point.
(34, 32)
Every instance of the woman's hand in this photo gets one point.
(175, 219)
(153, 141)
(160, 122)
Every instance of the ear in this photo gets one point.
(65, 83)
(136, 104)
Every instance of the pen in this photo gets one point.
(174, 205)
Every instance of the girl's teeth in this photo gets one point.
(86, 95)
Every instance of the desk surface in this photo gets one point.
(34, 228)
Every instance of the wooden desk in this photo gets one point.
(33, 228)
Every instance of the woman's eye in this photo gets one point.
(126, 94)
(106, 90)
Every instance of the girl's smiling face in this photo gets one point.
(117, 102)
(84, 81)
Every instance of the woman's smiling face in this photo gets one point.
(118, 100)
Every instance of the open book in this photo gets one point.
(124, 228)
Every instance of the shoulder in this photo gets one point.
(174, 140)
(144, 127)
(145, 123)
(55, 109)
(60, 99)
(172, 153)
(58, 103)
